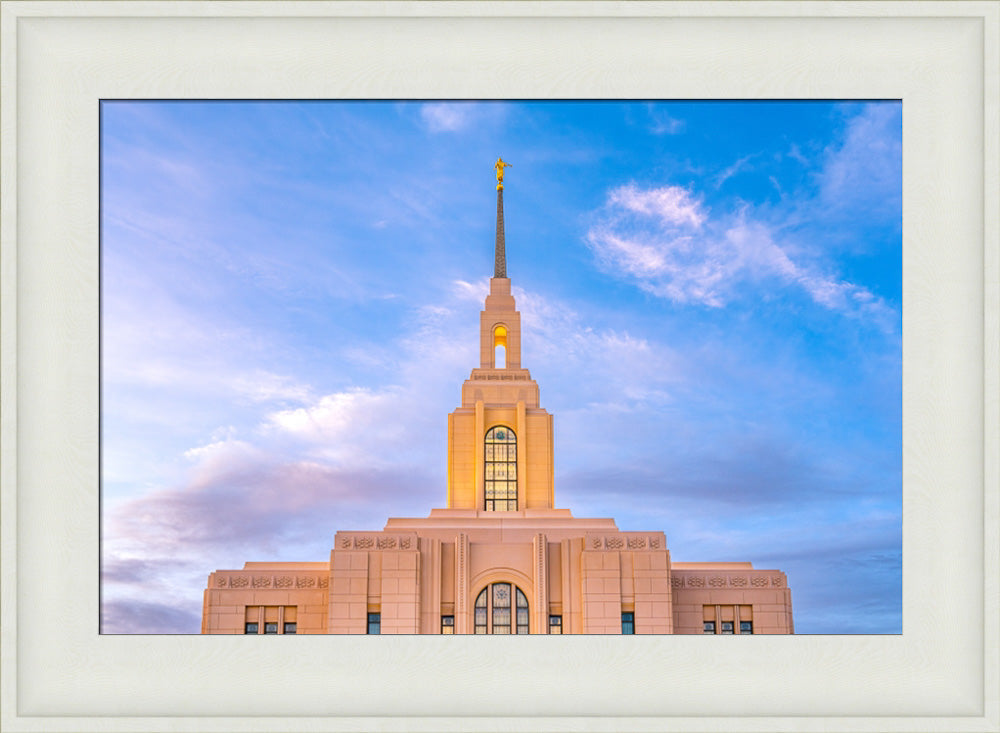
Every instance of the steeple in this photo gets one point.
(500, 264)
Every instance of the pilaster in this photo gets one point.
(479, 439)
(462, 625)
(540, 573)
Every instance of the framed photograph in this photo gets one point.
(937, 63)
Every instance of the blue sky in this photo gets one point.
(711, 303)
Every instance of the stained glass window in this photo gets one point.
(494, 613)
(501, 469)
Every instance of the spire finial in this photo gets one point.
(500, 165)
(500, 264)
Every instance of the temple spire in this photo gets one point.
(500, 264)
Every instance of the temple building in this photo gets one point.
(500, 557)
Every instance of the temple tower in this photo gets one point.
(500, 439)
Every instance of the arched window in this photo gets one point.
(501, 469)
(500, 347)
(498, 613)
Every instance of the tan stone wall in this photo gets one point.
(765, 591)
(230, 592)
(411, 581)
(348, 611)
(624, 572)
(462, 456)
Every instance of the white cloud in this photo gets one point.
(671, 204)
(357, 427)
(664, 240)
(796, 154)
(865, 169)
(662, 123)
(738, 166)
(447, 116)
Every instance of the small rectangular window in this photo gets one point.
(555, 624)
(271, 627)
(290, 627)
(710, 627)
(727, 627)
(746, 627)
(250, 628)
(447, 624)
(628, 623)
(374, 623)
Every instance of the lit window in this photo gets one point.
(374, 623)
(555, 624)
(250, 628)
(493, 610)
(710, 627)
(500, 347)
(447, 624)
(727, 627)
(271, 627)
(289, 627)
(746, 627)
(628, 623)
(501, 469)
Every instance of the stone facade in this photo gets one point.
(499, 557)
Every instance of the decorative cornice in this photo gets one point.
(256, 581)
(680, 579)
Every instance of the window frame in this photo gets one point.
(492, 446)
(628, 617)
(488, 616)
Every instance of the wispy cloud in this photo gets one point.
(667, 241)
(131, 616)
(447, 116)
(672, 205)
(865, 168)
(740, 165)
(661, 123)
(795, 153)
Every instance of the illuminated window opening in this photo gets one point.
(500, 347)
(493, 610)
(501, 469)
